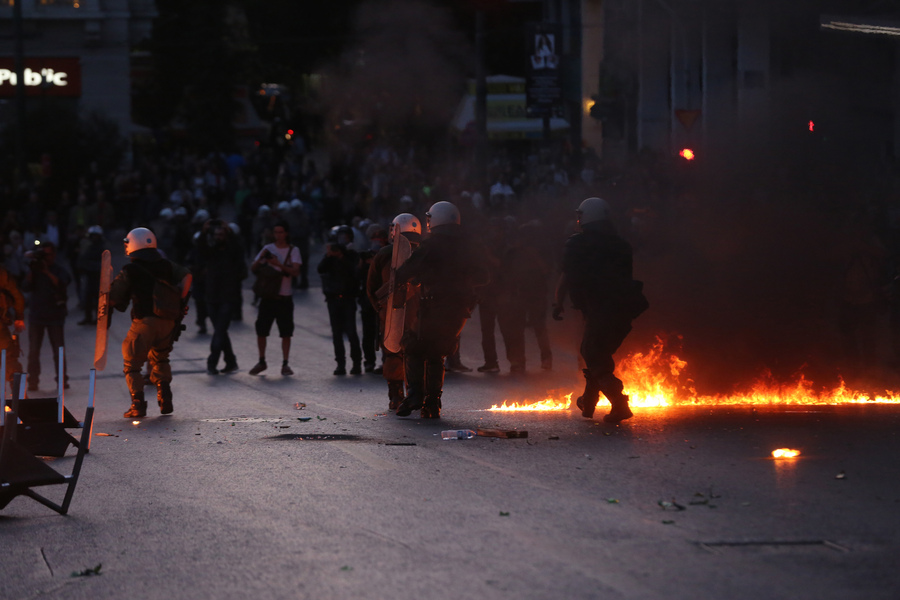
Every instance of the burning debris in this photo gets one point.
(658, 378)
(785, 453)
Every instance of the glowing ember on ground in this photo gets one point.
(657, 378)
(785, 453)
(135, 422)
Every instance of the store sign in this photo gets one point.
(42, 77)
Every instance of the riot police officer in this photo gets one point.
(150, 336)
(409, 227)
(597, 275)
(445, 266)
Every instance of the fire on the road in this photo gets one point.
(656, 379)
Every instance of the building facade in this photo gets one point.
(80, 50)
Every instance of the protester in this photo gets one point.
(220, 261)
(283, 257)
(47, 282)
(340, 284)
(90, 256)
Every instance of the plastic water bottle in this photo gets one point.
(458, 434)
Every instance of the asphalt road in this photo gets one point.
(236, 496)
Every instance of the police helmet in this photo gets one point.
(405, 223)
(591, 210)
(296, 203)
(284, 206)
(235, 228)
(138, 239)
(166, 213)
(442, 213)
(95, 229)
(263, 209)
(201, 216)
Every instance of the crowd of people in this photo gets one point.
(230, 217)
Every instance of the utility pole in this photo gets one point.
(481, 143)
(21, 162)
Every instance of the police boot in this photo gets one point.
(138, 407)
(415, 379)
(620, 410)
(587, 401)
(164, 398)
(412, 403)
(432, 407)
(395, 394)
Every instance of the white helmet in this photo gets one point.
(296, 203)
(263, 209)
(201, 216)
(405, 223)
(284, 206)
(181, 211)
(95, 229)
(591, 210)
(166, 213)
(138, 239)
(235, 228)
(442, 213)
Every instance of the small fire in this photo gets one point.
(657, 378)
(686, 154)
(785, 453)
(546, 404)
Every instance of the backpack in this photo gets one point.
(167, 301)
(167, 298)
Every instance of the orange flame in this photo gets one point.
(785, 453)
(656, 378)
(541, 405)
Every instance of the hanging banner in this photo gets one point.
(543, 86)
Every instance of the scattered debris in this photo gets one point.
(502, 433)
(321, 418)
(553, 437)
(504, 514)
(399, 443)
(612, 500)
(106, 434)
(304, 419)
(300, 405)
(673, 505)
(841, 475)
(346, 568)
(668, 522)
(88, 572)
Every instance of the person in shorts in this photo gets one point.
(286, 258)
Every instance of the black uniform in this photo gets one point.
(340, 284)
(447, 268)
(597, 266)
(222, 267)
